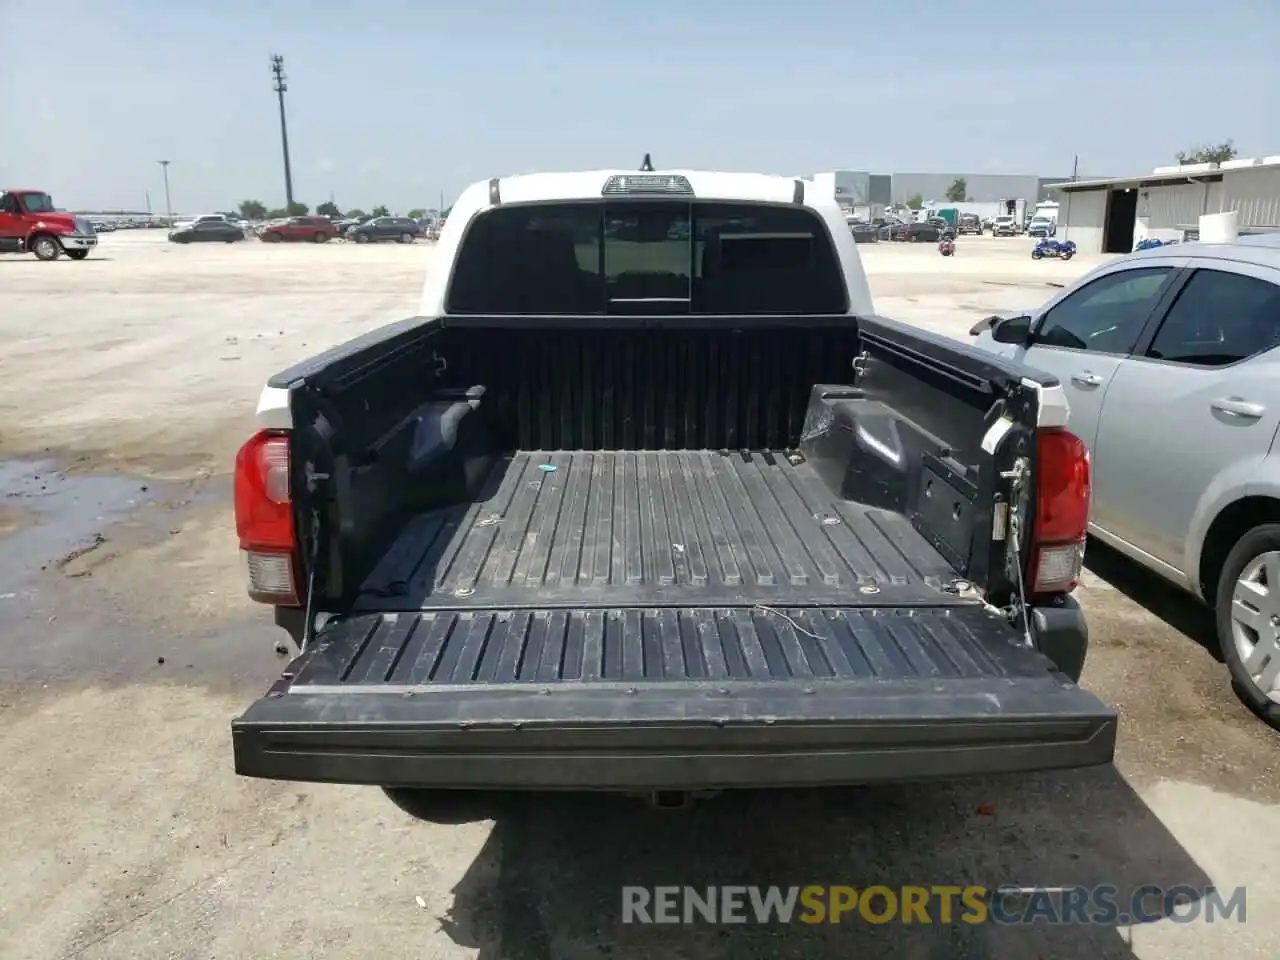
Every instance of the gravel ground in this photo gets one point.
(128, 381)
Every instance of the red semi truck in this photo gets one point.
(29, 223)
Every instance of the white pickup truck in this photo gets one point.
(647, 499)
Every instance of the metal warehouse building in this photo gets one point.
(981, 187)
(850, 187)
(1111, 216)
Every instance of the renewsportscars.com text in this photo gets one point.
(817, 904)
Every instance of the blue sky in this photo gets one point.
(397, 101)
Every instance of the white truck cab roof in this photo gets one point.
(706, 186)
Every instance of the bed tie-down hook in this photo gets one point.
(860, 365)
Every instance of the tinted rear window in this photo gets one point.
(655, 257)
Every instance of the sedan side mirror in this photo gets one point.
(1012, 330)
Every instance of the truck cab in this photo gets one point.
(30, 223)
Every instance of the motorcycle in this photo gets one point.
(1054, 249)
(947, 245)
(1151, 243)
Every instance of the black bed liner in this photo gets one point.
(688, 528)
(449, 648)
(669, 698)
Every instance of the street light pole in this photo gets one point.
(168, 207)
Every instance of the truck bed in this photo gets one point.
(687, 528)
(538, 569)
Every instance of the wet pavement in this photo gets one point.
(59, 517)
(61, 530)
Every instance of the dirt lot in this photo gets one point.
(128, 382)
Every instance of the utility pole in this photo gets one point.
(280, 86)
(168, 207)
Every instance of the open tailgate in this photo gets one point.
(668, 698)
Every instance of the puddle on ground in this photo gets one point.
(51, 517)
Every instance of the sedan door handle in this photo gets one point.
(1086, 379)
(1239, 408)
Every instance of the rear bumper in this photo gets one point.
(669, 736)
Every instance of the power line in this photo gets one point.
(280, 86)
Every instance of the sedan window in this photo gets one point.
(1105, 316)
(1219, 318)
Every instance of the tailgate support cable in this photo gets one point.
(316, 481)
(311, 581)
(1017, 475)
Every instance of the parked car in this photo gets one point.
(1150, 243)
(1042, 227)
(969, 224)
(203, 218)
(210, 231)
(924, 232)
(1004, 227)
(865, 233)
(401, 229)
(30, 223)
(312, 228)
(1170, 358)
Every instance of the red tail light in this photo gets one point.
(264, 518)
(1063, 490)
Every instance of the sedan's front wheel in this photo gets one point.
(406, 238)
(1248, 619)
(362, 238)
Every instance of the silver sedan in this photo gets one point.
(1169, 360)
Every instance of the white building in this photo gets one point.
(1111, 216)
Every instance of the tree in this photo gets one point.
(1208, 153)
(956, 192)
(444, 214)
(328, 209)
(381, 211)
(357, 214)
(916, 202)
(297, 210)
(278, 213)
(417, 213)
(253, 209)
